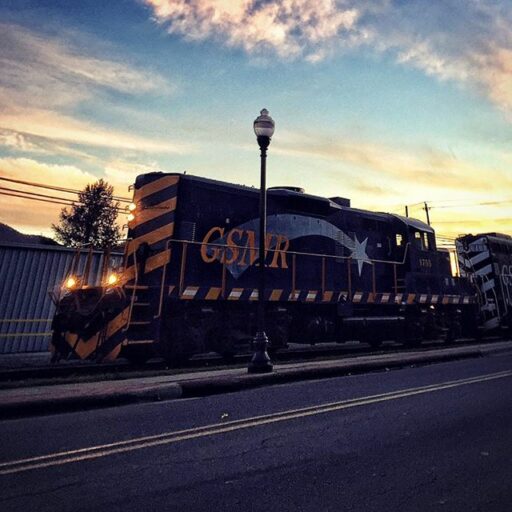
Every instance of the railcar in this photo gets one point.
(188, 283)
(486, 261)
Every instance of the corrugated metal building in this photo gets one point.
(27, 274)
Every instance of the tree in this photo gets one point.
(91, 221)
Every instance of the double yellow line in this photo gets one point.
(104, 450)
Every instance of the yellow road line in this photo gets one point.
(94, 452)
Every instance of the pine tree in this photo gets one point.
(92, 221)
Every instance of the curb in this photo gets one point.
(71, 403)
(207, 386)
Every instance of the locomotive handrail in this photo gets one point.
(162, 285)
(298, 253)
(134, 291)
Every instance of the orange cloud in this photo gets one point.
(439, 173)
(58, 127)
(33, 216)
(384, 178)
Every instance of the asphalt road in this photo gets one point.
(430, 438)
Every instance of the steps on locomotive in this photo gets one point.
(141, 323)
(400, 285)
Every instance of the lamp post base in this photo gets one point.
(260, 362)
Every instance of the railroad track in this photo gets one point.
(123, 369)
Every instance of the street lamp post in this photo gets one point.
(260, 362)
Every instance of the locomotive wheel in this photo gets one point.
(222, 340)
(413, 332)
(375, 342)
(179, 340)
(278, 336)
(229, 357)
(507, 331)
(454, 332)
(227, 348)
(137, 354)
(370, 338)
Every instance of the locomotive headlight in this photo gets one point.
(70, 283)
(112, 279)
(131, 212)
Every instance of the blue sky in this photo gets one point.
(386, 102)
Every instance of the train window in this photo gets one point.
(431, 242)
(425, 241)
(417, 240)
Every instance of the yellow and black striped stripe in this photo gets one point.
(155, 197)
(192, 292)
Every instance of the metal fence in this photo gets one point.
(27, 274)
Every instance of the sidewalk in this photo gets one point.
(68, 397)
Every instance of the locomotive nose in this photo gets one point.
(81, 315)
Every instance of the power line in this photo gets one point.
(36, 194)
(486, 203)
(47, 199)
(456, 200)
(479, 221)
(36, 199)
(58, 189)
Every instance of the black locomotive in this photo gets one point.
(188, 282)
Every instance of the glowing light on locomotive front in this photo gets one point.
(70, 283)
(112, 279)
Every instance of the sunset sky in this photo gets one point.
(386, 102)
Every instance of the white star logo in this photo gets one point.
(359, 253)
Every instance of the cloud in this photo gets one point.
(33, 64)
(18, 142)
(20, 213)
(32, 170)
(290, 28)
(475, 219)
(468, 42)
(122, 174)
(46, 80)
(52, 126)
(380, 174)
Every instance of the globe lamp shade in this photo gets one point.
(264, 125)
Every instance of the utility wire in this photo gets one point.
(471, 221)
(36, 194)
(486, 203)
(47, 199)
(36, 199)
(59, 189)
(457, 200)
